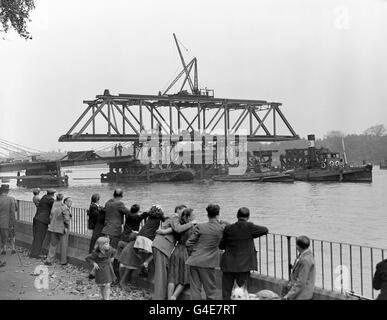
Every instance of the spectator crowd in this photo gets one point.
(183, 253)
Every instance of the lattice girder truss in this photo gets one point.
(125, 117)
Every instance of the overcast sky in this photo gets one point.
(325, 60)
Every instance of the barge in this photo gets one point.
(256, 177)
(134, 170)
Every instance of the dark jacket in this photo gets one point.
(44, 209)
(203, 244)
(150, 227)
(96, 215)
(133, 221)
(238, 242)
(115, 211)
(379, 281)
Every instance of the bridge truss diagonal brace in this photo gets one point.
(125, 117)
(92, 118)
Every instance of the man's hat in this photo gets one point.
(4, 187)
(51, 191)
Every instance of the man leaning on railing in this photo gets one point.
(240, 255)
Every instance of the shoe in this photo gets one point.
(91, 277)
(47, 263)
(64, 264)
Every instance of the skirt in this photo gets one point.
(143, 243)
(121, 245)
(131, 257)
(178, 271)
(105, 274)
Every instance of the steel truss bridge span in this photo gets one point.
(124, 117)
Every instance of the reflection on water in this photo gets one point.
(345, 212)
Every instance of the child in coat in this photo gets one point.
(102, 258)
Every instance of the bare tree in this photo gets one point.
(14, 14)
(377, 130)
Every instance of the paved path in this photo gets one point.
(65, 282)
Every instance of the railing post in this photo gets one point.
(289, 256)
(372, 271)
(18, 209)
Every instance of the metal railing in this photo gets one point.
(27, 210)
(340, 267)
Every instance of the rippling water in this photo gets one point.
(345, 212)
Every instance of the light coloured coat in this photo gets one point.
(303, 277)
(59, 218)
(7, 211)
(166, 243)
(203, 244)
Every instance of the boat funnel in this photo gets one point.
(311, 150)
(311, 140)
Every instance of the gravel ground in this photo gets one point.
(65, 282)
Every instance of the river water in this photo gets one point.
(344, 212)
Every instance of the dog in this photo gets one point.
(264, 295)
(241, 293)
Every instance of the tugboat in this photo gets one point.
(313, 164)
(134, 170)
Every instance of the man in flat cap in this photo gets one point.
(7, 216)
(303, 276)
